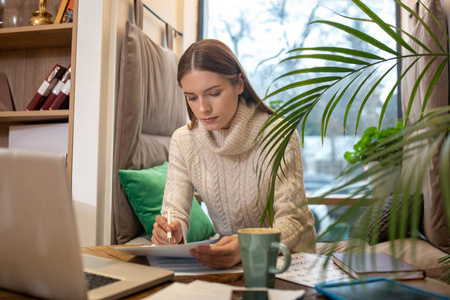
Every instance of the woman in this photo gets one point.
(216, 154)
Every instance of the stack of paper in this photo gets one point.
(207, 290)
(183, 266)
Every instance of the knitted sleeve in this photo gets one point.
(179, 191)
(292, 216)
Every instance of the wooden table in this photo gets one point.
(429, 284)
(231, 279)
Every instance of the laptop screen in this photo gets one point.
(39, 245)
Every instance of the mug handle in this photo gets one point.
(287, 258)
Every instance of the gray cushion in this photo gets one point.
(435, 226)
(150, 106)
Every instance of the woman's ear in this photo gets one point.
(241, 84)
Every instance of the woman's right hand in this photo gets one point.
(160, 229)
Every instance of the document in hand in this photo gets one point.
(180, 250)
(176, 258)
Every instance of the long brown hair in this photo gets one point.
(214, 56)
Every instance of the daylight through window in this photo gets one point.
(260, 32)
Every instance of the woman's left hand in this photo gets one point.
(223, 254)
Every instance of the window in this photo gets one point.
(260, 32)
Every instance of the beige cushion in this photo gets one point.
(435, 226)
(150, 107)
(417, 253)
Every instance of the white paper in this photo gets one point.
(183, 266)
(285, 294)
(180, 250)
(199, 289)
(273, 294)
(193, 291)
(308, 269)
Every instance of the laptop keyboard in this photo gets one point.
(94, 281)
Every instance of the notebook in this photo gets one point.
(39, 249)
(366, 265)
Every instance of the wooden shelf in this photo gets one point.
(35, 116)
(43, 36)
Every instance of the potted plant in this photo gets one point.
(347, 83)
(374, 140)
(367, 150)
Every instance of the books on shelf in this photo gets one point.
(46, 87)
(61, 11)
(61, 101)
(56, 90)
(367, 265)
(68, 13)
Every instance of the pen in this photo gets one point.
(169, 221)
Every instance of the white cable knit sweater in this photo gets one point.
(221, 167)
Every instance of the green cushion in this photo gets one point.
(145, 190)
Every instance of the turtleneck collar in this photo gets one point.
(240, 137)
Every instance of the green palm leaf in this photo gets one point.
(324, 115)
(351, 52)
(416, 87)
(383, 25)
(433, 82)
(361, 35)
(304, 83)
(337, 101)
(355, 94)
(410, 36)
(356, 77)
(394, 87)
(445, 175)
(372, 89)
(316, 70)
(328, 57)
(427, 28)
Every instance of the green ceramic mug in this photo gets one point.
(259, 251)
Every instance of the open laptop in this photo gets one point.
(39, 249)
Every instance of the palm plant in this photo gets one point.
(337, 84)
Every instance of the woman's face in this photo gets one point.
(211, 97)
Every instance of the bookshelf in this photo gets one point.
(27, 54)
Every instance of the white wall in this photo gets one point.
(86, 115)
(101, 26)
(181, 15)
